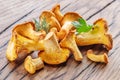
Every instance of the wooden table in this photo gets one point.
(13, 12)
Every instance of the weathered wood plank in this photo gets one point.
(86, 70)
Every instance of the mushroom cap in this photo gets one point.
(28, 44)
(49, 16)
(70, 17)
(56, 57)
(102, 22)
(27, 38)
(29, 65)
(28, 30)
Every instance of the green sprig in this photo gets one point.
(81, 26)
(41, 26)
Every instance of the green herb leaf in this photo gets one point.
(37, 25)
(81, 26)
(44, 25)
(41, 26)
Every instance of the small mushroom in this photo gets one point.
(56, 11)
(69, 42)
(50, 18)
(97, 58)
(31, 65)
(98, 35)
(66, 23)
(24, 39)
(53, 53)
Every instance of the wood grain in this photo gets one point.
(14, 12)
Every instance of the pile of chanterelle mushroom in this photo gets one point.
(56, 38)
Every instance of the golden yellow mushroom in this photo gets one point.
(98, 35)
(66, 23)
(31, 65)
(53, 53)
(97, 58)
(24, 39)
(69, 42)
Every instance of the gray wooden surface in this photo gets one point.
(13, 12)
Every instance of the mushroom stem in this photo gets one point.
(11, 49)
(51, 40)
(64, 30)
(69, 42)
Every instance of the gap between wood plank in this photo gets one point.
(101, 9)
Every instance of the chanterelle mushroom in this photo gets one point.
(97, 58)
(66, 23)
(53, 53)
(31, 65)
(69, 42)
(56, 11)
(98, 35)
(24, 38)
(50, 18)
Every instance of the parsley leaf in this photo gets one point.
(41, 26)
(81, 26)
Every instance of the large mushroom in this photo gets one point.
(98, 35)
(50, 18)
(69, 42)
(24, 39)
(66, 23)
(53, 53)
